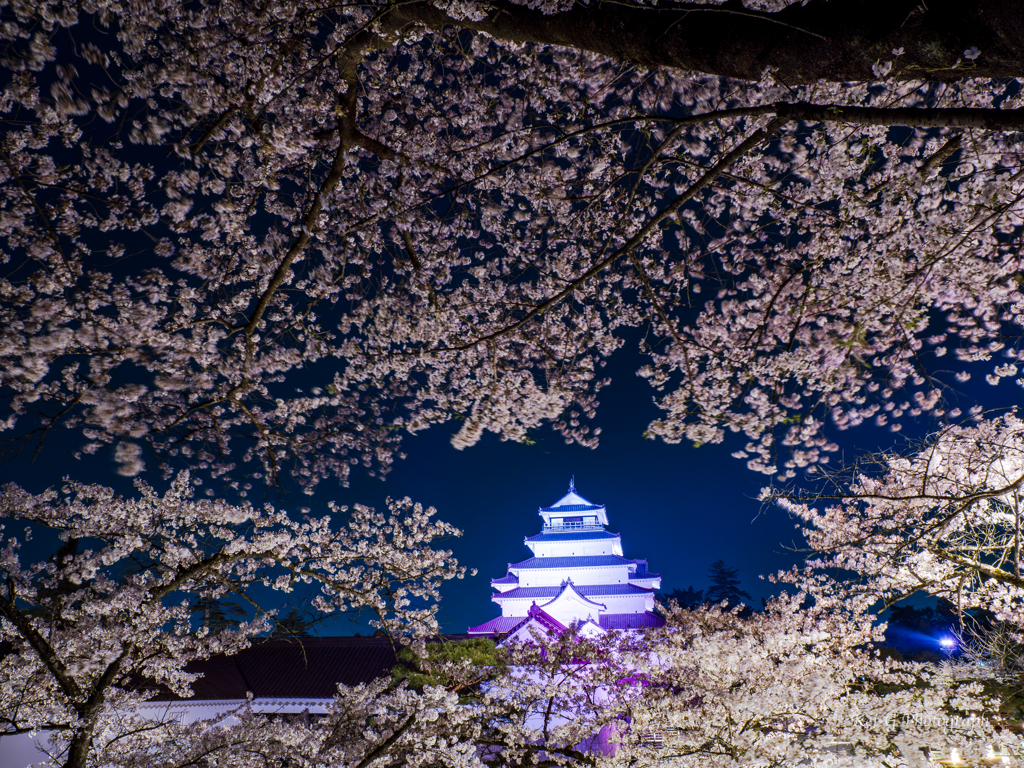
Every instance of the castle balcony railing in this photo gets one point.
(572, 527)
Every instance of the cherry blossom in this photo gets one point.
(112, 607)
(944, 520)
(797, 683)
(268, 244)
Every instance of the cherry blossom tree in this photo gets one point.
(713, 688)
(266, 243)
(806, 42)
(88, 633)
(799, 682)
(944, 520)
(367, 725)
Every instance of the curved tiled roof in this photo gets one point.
(570, 536)
(498, 626)
(590, 590)
(572, 508)
(642, 572)
(308, 667)
(543, 618)
(570, 587)
(573, 502)
(508, 578)
(630, 620)
(504, 624)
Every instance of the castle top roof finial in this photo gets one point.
(572, 484)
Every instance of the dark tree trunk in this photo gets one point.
(836, 41)
(78, 750)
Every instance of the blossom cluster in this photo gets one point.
(108, 620)
(944, 520)
(330, 228)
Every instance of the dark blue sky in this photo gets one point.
(680, 507)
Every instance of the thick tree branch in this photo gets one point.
(348, 137)
(915, 117)
(61, 675)
(804, 43)
(1004, 577)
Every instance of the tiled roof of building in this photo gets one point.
(308, 667)
(505, 624)
(498, 626)
(572, 508)
(570, 536)
(572, 502)
(630, 620)
(543, 618)
(642, 572)
(582, 561)
(590, 590)
(508, 578)
(568, 586)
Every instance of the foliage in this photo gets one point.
(791, 682)
(685, 598)
(293, 624)
(996, 652)
(218, 614)
(995, 645)
(728, 690)
(937, 618)
(455, 665)
(266, 240)
(944, 520)
(725, 585)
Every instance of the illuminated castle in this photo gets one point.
(577, 575)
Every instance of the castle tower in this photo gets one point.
(577, 575)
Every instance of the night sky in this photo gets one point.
(680, 507)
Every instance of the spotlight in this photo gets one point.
(947, 643)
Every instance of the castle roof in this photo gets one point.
(642, 572)
(572, 502)
(590, 590)
(630, 620)
(499, 626)
(505, 624)
(544, 619)
(572, 536)
(568, 595)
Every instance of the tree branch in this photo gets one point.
(665, 213)
(804, 42)
(1004, 577)
(43, 650)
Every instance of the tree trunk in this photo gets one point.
(837, 41)
(78, 752)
